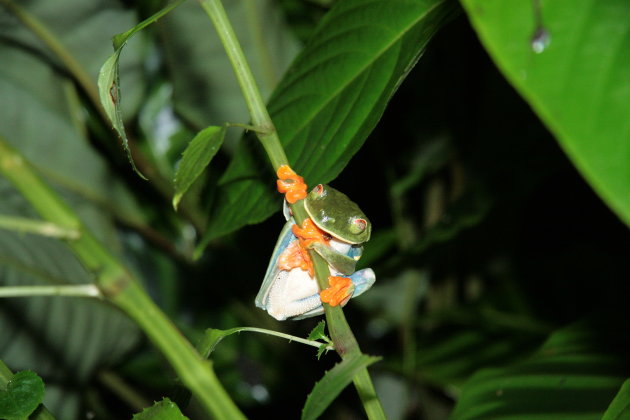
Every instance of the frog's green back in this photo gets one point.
(334, 213)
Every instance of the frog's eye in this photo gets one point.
(319, 190)
(358, 225)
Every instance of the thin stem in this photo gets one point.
(39, 227)
(118, 286)
(248, 127)
(80, 290)
(255, 104)
(206, 346)
(123, 390)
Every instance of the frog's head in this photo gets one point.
(334, 213)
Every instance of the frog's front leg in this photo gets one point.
(290, 184)
(340, 255)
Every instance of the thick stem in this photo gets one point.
(119, 287)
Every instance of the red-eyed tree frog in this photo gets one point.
(289, 289)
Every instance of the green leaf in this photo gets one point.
(195, 158)
(161, 410)
(319, 332)
(213, 337)
(24, 392)
(330, 99)
(333, 382)
(578, 84)
(574, 375)
(109, 79)
(619, 408)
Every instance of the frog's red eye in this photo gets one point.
(360, 224)
(319, 189)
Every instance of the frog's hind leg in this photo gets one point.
(293, 294)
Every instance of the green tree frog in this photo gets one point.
(290, 292)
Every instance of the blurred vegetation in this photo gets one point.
(501, 274)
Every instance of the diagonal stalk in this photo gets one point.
(345, 342)
(119, 287)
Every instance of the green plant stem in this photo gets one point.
(122, 390)
(41, 413)
(119, 287)
(344, 341)
(257, 110)
(76, 290)
(38, 227)
(208, 343)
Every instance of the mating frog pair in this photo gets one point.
(335, 229)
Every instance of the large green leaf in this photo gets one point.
(331, 98)
(574, 375)
(578, 84)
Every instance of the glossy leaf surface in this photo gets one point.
(23, 393)
(578, 84)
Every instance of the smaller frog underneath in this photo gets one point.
(336, 228)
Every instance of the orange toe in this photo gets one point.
(309, 233)
(339, 291)
(290, 184)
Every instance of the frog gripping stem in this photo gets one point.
(295, 256)
(339, 291)
(309, 233)
(290, 184)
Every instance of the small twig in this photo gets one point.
(80, 290)
(38, 227)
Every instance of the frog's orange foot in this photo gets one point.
(338, 292)
(309, 233)
(290, 184)
(294, 256)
